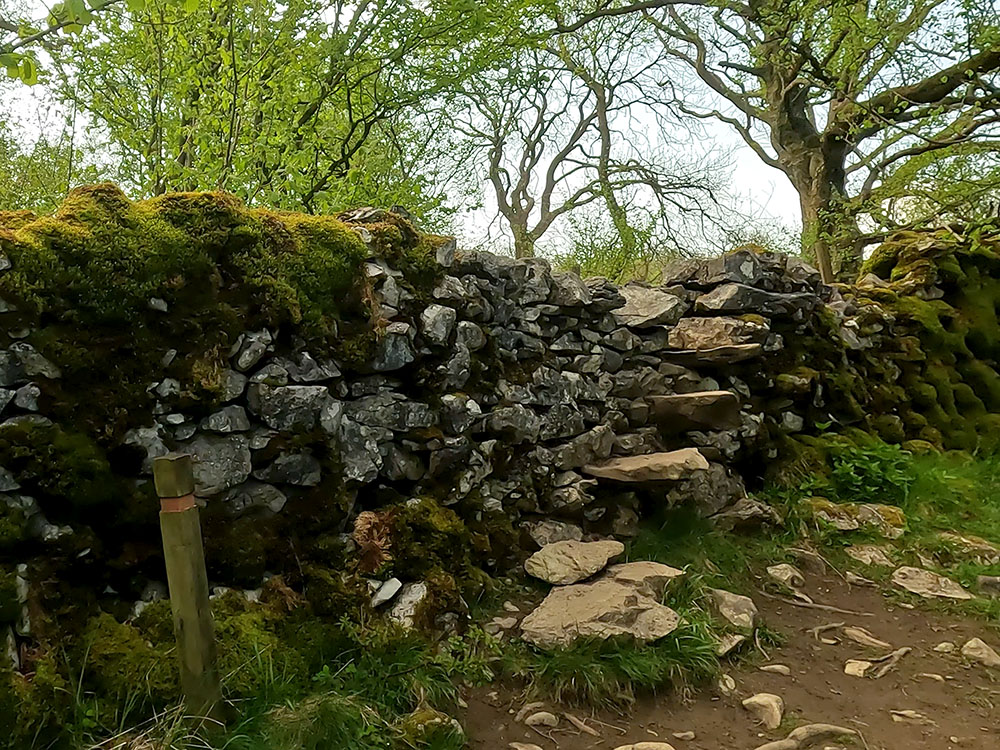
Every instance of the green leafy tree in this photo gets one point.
(297, 105)
(37, 174)
(849, 98)
(23, 34)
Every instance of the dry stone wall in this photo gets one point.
(497, 405)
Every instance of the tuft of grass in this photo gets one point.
(613, 672)
(679, 537)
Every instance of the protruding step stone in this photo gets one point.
(566, 562)
(652, 467)
(712, 333)
(719, 355)
(702, 410)
(602, 609)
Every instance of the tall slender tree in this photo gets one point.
(550, 121)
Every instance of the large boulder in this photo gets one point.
(701, 410)
(653, 467)
(602, 609)
(569, 561)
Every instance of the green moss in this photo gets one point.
(118, 662)
(12, 528)
(10, 607)
(101, 257)
(427, 535)
(889, 427)
(35, 707)
(334, 594)
(428, 728)
(67, 472)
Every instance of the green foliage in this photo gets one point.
(66, 471)
(240, 97)
(876, 473)
(597, 248)
(36, 176)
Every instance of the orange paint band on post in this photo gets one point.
(176, 504)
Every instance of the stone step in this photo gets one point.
(669, 466)
(719, 355)
(701, 410)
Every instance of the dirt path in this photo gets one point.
(960, 705)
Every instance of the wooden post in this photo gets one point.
(187, 580)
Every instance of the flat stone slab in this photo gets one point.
(646, 577)
(742, 298)
(928, 584)
(719, 355)
(569, 561)
(652, 467)
(602, 609)
(646, 307)
(702, 410)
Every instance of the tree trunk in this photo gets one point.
(816, 171)
(815, 204)
(524, 243)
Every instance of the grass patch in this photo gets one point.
(679, 537)
(615, 671)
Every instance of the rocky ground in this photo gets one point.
(926, 683)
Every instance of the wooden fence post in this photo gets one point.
(187, 580)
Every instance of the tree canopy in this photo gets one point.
(861, 103)
(880, 113)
